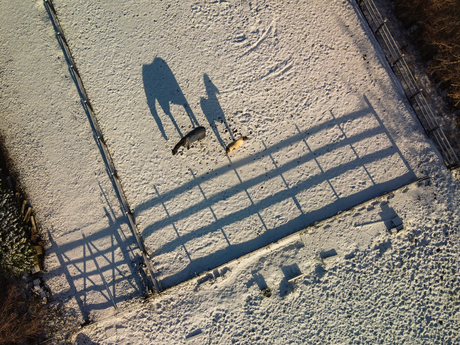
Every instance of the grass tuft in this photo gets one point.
(436, 29)
(20, 317)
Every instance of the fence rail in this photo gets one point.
(100, 139)
(411, 87)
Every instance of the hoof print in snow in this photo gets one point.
(350, 256)
(424, 182)
(239, 39)
(224, 271)
(267, 292)
(390, 196)
(205, 278)
(328, 254)
(195, 334)
(320, 271)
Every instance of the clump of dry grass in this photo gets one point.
(20, 317)
(438, 37)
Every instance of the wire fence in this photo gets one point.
(100, 140)
(411, 87)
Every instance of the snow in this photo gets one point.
(385, 289)
(299, 208)
(203, 208)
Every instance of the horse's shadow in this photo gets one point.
(212, 110)
(161, 85)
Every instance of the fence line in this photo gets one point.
(100, 140)
(412, 89)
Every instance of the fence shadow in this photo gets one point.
(100, 268)
(228, 235)
(161, 85)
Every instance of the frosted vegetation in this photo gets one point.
(16, 252)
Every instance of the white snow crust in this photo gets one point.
(298, 209)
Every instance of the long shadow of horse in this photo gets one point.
(161, 85)
(212, 110)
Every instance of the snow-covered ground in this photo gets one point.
(329, 129)
(296, 78)
(378, 289)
